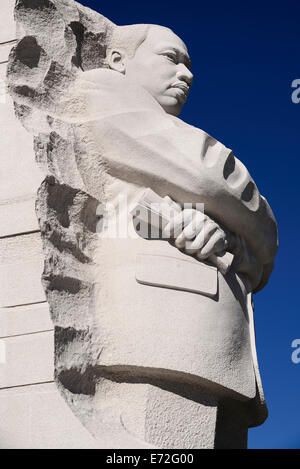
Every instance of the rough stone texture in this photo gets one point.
(133, 358)
(32, 415)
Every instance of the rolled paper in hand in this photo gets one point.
(152, 209)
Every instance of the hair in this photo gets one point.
(128, 38)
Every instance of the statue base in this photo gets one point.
(142, 415)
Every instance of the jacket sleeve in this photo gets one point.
(189, 166)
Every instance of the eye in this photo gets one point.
(171, 56)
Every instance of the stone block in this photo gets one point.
(21, 284)
(36, 416)
(18, 216)
(8, 26)
(28, 359)
(21, 267)
(25, 320)
(20, 176)
(5, 50)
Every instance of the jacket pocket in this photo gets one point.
(178, 274)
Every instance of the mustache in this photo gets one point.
(182, 85)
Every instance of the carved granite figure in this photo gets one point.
(154, 346)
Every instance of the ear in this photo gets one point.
(116, 60)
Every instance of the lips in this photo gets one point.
(183, 87)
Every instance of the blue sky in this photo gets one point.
(245, 56)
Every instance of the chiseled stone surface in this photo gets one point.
(139, 364)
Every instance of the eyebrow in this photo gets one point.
(185, 58)
(187, 61)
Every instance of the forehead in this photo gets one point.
(159, 38)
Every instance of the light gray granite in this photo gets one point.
(143, 360)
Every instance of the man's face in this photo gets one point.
(161, 66)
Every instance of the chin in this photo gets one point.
(171, 105)
(173, 110)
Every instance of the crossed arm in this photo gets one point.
(186, 164)
(198, 234)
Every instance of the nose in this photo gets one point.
(184, 74)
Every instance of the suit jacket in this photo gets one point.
(167, 314)
(121, 132)
(158, 311)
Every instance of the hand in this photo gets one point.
(246, 263)
(196, 233)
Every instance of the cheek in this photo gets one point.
(165, 68)
(154, 73)
(163, 74)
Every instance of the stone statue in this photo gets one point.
(154, 345)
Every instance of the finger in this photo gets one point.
(174, 227)
(201, 238)
(195, 226)
(167, 230)
(172, 203)
(192, 221)
(180, 241)
(180, 223)
(215, 244)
